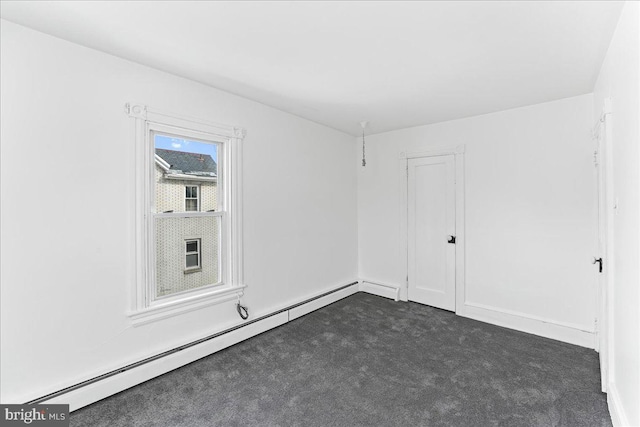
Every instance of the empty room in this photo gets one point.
(291, 213)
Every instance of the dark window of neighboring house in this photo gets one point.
(191, 198)
(192, 254)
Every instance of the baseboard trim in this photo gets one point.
(618, 416)
(111, 385)
(537, 326)
(565, 332)
(321, 301)
(119, 380)
(113, 382)
(380, 289)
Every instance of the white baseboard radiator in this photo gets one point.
(115, 381)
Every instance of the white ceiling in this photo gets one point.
(396, 64)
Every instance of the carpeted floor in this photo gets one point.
(370, 361)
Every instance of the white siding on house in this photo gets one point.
(172, 233)
(170, 193)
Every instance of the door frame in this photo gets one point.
(403, 168)
(603, 344)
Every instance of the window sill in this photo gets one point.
(184, 305)
(192, 270)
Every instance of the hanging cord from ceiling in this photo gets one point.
(364, 161)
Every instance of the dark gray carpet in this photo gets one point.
(370, 361)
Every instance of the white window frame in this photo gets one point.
(197, 252)
(144, 306)
(197, 198)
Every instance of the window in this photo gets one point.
(192, 255)
(185, 239)
(189, 229)
(191, 198)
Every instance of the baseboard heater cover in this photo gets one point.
(184, 347)
(372, 287)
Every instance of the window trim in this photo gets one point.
(144, 308)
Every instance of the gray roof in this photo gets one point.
(188, 163)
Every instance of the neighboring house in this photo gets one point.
(186, 247)
(185, 182)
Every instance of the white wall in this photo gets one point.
(67, 210)
(530, 214)
(619, 80)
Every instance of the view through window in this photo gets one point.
(187, 214)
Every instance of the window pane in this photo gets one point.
(191, 205)
(192, 260)
(180, 167)
(171, 233)
(192, 246)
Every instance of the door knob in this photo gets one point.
(599, 261)
(452, 239)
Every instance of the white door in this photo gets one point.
(603, 259)
(432, 229)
